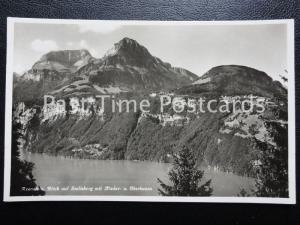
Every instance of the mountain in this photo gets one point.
(222, 140)
(128, 66)
(52, 70)
(67, 60)
(235, 80)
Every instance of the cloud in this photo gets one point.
(70, 44)
(103, 28)
(82, 44)
(43, 46)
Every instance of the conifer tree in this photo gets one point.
(22, 180)
(272, 169)
(185, 177)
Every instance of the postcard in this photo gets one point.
(161, 111)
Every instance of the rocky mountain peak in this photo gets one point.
(130, 44)
(129, 51)
(68, 57)
(63, 59)
(128, 41)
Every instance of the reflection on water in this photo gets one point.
(116, 177)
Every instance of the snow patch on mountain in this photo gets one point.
(202, 81)
(111, 52)
(100, 89)
(75, 85)
(113, 90)
(109, 90)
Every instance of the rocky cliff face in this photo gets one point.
(223, 141)
(53, 70)
(67, 60)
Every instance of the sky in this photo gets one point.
(197, 48)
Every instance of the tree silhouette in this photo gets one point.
(272, 171)
(185, 177)
(22, 180)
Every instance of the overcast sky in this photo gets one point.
(196, 48)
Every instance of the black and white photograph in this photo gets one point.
(174, 111)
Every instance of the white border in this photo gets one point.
(291, 115)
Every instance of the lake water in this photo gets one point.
(68, 176)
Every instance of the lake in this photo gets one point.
(58, 175)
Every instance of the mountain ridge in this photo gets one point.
(219, 140)
(64, 59)
(128, 66)
(235, 80)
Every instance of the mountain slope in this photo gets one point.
(235, 80)
(220, 140)
(66, 60)
(128, 66)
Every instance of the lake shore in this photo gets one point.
(59, 175)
